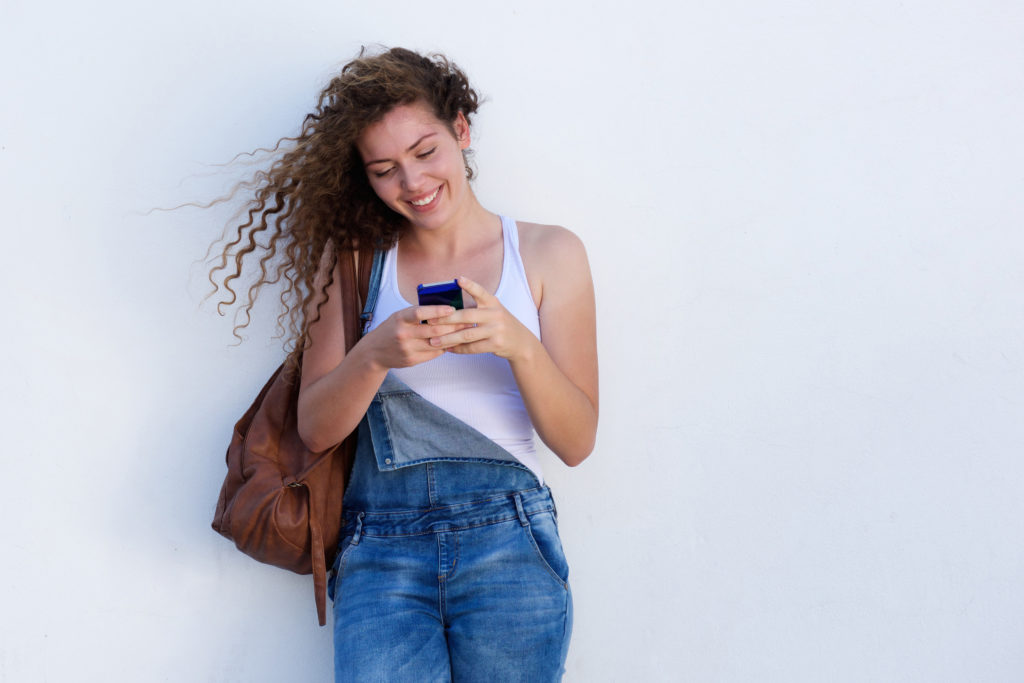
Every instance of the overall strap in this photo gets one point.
(376, 270)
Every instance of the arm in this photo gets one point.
(336, 388)
(557, 378)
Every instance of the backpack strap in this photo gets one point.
(367, 286)
(318, 554)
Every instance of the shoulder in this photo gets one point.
(554, 258)
(537, 240)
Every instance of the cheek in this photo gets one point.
(380, 186)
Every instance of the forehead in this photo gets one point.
(397, 130)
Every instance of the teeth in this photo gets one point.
(427, 200)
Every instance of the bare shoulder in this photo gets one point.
(554, 258)
(548, 242)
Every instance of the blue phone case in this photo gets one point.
(440, 294)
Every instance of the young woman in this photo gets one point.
(449, 565)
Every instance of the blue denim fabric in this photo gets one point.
(450, 566)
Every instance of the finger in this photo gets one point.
(415, 314)
(472, 347)
(467, 317)
(466, 335)
(422, 357)
(482, 296)
(432, 329)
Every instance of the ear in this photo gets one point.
(461, 126)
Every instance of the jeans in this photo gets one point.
(450, 566)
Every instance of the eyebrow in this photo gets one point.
(411, 148)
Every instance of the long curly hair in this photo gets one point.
(314, 202)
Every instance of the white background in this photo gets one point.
(804, 222)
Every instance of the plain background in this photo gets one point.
(804, 222)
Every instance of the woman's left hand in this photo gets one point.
(494, 329)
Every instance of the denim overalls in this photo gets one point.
(449, 565)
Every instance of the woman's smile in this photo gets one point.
(427, 201)
(414, 163)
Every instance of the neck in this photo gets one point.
(468, 227)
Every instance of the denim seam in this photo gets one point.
(442, 557)
(520, 512)
(451, 506)
(445, 458)
(442, 588)
(459, 527)
(388, 446)
(440, 531)
(431, 492)
(397, 392)
(455, 559)
(342, 562)
(565, 627)
(533, 541)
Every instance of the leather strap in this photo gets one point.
(316, 538)
(366, 287)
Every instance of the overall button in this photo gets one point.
(387, 461)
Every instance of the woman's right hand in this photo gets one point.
(403, 340)
(334, 393)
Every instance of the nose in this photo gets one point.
(411, 179)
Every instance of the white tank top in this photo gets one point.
(479, 389)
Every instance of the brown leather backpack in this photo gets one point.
(280, 502)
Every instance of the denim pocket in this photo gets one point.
(543, 533)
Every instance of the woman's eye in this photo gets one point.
(381, 174)
(424, 155)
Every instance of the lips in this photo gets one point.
(426, 201)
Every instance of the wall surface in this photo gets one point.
(804, 221)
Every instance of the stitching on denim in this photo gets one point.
(520, 512)
(389, 446)
(431, 492)
(442, 589)
(342, 563)
(452, 458)
(455, 559)
(460, 525)
(451, 506)
(442, 557)
(440, 531)
(565, 627)
(544, 561)
(396, 392)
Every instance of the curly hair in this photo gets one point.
(315, 201)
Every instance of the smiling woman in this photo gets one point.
(449, 564)
(414, 180)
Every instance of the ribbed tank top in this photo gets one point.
(479, 389)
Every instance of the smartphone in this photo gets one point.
(440, 294)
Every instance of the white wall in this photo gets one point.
(804, 221)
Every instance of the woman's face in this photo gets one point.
(414, 163)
